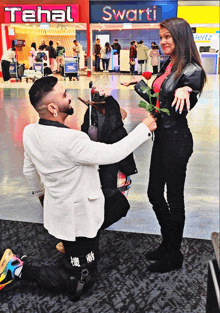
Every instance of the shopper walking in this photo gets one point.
(154, 54)
(133, 55)
(179, 82)
(105, 56)
(7, 58)
(142, 56)
(97, 54)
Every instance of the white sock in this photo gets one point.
(18, 272)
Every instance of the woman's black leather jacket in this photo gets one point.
(192, 76)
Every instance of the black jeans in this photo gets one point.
(105, 64)
(171, 151)
(97, 63)
(58, 277)
(5, 70)
(155, 69)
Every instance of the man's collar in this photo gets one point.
(51, 123)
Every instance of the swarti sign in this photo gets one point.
(41, 13)
(126, 14)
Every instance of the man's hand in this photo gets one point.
(150, 122)
(123, 114)
(41, 198)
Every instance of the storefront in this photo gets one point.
(27, 23)
(204, 20)
(127, 21)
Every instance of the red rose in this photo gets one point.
(147, 75)
(93, 90)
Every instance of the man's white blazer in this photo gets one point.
(62, 163)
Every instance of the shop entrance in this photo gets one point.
(64, 33)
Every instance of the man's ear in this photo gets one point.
(52, 108)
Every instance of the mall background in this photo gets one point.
(92, 22)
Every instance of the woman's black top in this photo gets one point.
(192, 75)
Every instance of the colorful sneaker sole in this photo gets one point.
(8, 265)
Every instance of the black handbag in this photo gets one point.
(138, 89)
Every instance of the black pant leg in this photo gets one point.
(5, 70)
(58, 277)
(107, 64)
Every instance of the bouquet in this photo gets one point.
(149, 106)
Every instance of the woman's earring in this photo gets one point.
(55, 114)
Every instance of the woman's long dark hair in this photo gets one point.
(107, 47)
(185, 47)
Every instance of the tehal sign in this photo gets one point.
(41, 13)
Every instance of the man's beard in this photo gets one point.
(68, 110)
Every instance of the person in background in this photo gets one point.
(116, 46)
(32, 55)
(76, 48)
(33, 46)
(47, 70)
(61, 166)
(7, 58)
(52, 56)
(154, 54)
(180, 81)
(60, 50)
(133, 55)
(105, 56)
(43, 46)
(142, 56)
(97, 54)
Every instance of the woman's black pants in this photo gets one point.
(172, 149)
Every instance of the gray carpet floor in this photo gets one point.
(124, 284)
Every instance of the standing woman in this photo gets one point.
(181, 78)
(105, 56)
(179, 82)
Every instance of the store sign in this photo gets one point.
(203, 37)
(125, 13)
(41, 14)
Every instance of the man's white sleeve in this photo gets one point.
(33, 178)
(85, 151)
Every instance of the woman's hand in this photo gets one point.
(181, 95)
(125, 84)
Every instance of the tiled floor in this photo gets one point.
(202, 183)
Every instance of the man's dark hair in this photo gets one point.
(116, 39)
(40, 89)
(50, 42)
(74, 40)
(140, 42)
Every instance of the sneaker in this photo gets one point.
(8, 264)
